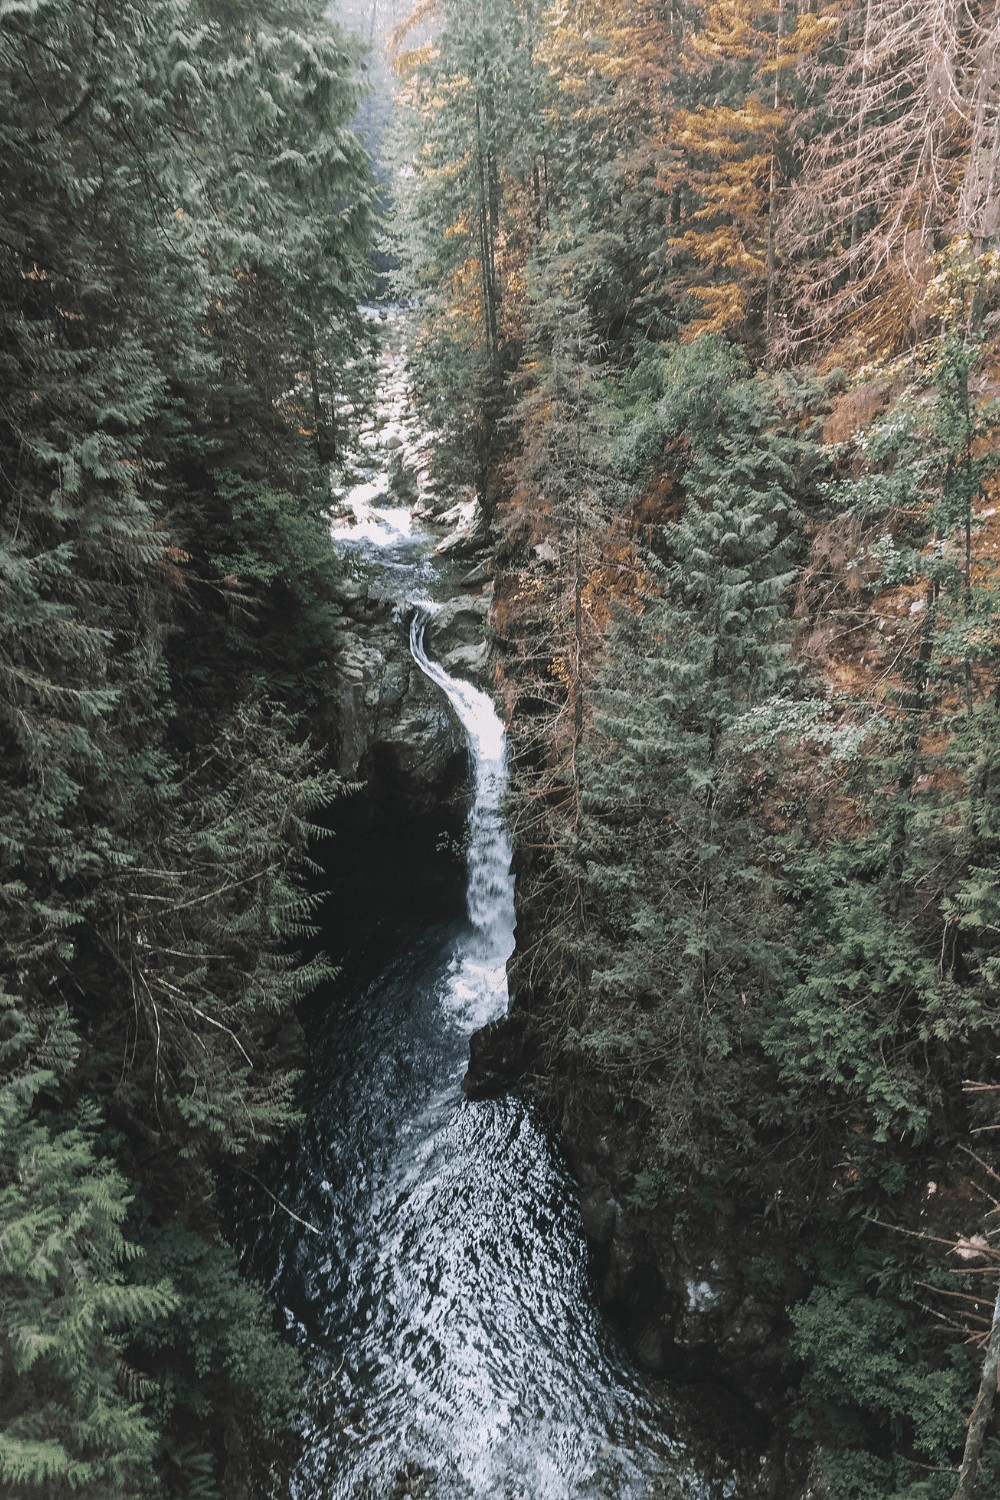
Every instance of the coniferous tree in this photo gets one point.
(558, 571)
(186, 213)
(608, 94)
(685, 943)
(71, 1409)
(733, 161)
(470, 212)
(881, 914)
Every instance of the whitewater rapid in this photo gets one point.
(478, 993)
(440, 1294)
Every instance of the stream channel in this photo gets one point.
(441, 1295)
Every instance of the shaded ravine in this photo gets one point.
(441, 1295)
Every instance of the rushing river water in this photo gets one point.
(441, 1293)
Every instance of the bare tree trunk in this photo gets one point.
(968, 1474)
(978, 211)
(859, 134)
(326, 448)
(770, 316)
(487, 244)
(772, 207)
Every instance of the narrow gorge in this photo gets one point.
(499, 749)
(434, 1267)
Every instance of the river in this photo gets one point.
(436, 1273)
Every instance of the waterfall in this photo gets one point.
(479, 989)
(443, 1303)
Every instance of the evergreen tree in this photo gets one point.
(186, 215)
(685, 945)
(610, 88)
(885, 1016)
(558, 570)
(733, 161)
(71, 1408)
(470, 211)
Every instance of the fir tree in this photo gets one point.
(470, 212)
(686, 944)
(186, 215)
(558, 571)
(71, 1407)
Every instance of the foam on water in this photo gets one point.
(478, 989)
(367, 522)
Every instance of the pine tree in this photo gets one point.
(684, 925)
(71, 1410)
(733, 158)
(470, 212)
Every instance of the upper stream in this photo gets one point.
(440, 1293)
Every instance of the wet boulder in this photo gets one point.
(496, 1057)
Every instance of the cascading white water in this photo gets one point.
(479, 989)
(443, 1304)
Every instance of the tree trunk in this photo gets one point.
(772, 208)
(968, 1474)
(916, 705)
(326, 448)
(859, 131)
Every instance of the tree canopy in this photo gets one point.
(743, 488)
(186, 217)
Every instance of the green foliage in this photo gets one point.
(276, 550)
(684, 918)
(856, 1474)
(649, 1188)
(223, 1359)
(863, 1352)
(848, 1031)
(187, 215)
(886, 1398)
(73, 1290)
(200, 922)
